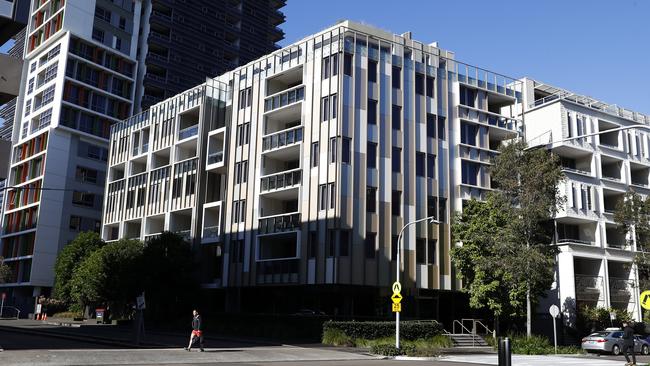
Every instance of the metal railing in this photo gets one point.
(13, 309)
(282, 138)
(284, 98)
(279, 223)
(188, 132)
(574, 241)
(575, 170)
(215, 157)
(281, 180)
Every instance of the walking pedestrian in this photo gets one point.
(197, 332)
(628, 343)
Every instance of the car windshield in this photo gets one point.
(599, 334)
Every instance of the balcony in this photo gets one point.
(588, 287)
(503, 127)
(216, 149)
(575, 241)
(215, 157)
(188, 132)
(280, 223)
(212, 222)
(284, 99)
(284, 180)
(282, 139)
(274, 272)
(620, 289)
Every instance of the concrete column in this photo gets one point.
(567, 287)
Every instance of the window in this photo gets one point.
(325, 108)
(393, 247)
(431, 251)
(397, 117)
(370, 245)
(238, 211)
(50, 73)
(322, 199)
(346, 157)
(28, 107)
(334, 103)
(83, 199)
(372, 112)
(420, 251)
(430, 83)
(122, 23)
(331, 243)
(442, 209)
(32, 67)
(344, 243)
(314, 154)
(396, 203)
(103, 14)
(431, 125)
(419, 164)
(47, 96)
(335, 64)
(98, 35)
(86, 175)
(372, 71)
(347, 64)
(371, 199)
(397, 159)
(431, 166)
(312, 250)
(243, 134)
(190, 184)
(326, 67)
(397, 77)
(30, 88)
(441, 127)
(469, 173)
(237, 251)
(118, 43)
(75, 223)
(241, 172)
(467, 96)
(245, 97)
(332, 149)
(372, 155)
(332, 194)
(419, 84)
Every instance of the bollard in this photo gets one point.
(505, 354)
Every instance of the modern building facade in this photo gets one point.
(85, 62)
(595, 260)
(295, 189)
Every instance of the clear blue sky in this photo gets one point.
(599, 48)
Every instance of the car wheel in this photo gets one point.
(645, 350)
(616, 350)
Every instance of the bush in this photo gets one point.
(68, 315)
(537, 345)
(391, 350)
(409, 330)
(337, 337)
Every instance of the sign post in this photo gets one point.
(2, 305)
(397, 308)
(555, 312)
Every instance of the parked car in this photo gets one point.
(611, 341)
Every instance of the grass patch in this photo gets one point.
(535, 345)
(385, 346)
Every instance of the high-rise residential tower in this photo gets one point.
(86, 62)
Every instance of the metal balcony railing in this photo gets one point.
(215, 157)
(185, 234)
(285, 98)
(281, 180)
(279, 223)
(281, 139)
(588, 287)
(188, 132)
(574, 241)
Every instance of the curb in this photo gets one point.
(409, 358)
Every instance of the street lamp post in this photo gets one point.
(431, 220)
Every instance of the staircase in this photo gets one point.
(468, 340)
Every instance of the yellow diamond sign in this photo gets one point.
(645, 300)
(397, 298)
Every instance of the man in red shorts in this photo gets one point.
(196, 331)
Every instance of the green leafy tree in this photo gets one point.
(168, 275)
(5, 271)
(111, 275)
(69, 258)
(508, 262)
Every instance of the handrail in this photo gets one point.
(462, 327)
(14, 308)
(487, 330)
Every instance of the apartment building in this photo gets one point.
(294, 189)
(85, 62)
(594, 265)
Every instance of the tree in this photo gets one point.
(5, 271)
(70, 257)
(111, 275)
(509, 235)
(633, 214)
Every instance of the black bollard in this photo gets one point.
(505, 354)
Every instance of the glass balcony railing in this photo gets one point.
(188, 132)
(285, 98)
(211, 232)
(279, 223)
(185, 234)
(278, 271)
(281, 180)
(215, 157)
(282, 138)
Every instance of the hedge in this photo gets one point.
(409, 329)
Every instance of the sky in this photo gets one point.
(598, 48)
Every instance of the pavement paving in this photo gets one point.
(524, 360)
